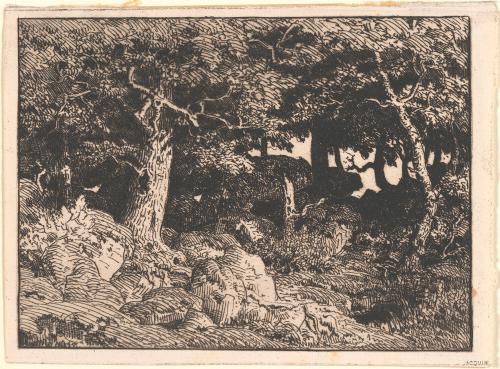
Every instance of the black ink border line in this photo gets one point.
(469, 107)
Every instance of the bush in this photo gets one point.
(66, 333)
(71, 224)
(59, 238)
(302, 250)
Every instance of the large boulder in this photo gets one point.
(75, 272)
(227, 283)
(37, 290)
(85, 284)
(32, 204)
(115, 246)
(221, 292)
(133, 285)
(76, 275)
(196, 321)
(226, 251)
(198, 246)
(165, 306)
(292, 321)
(150, 267)
(251, 271)
(60, 258)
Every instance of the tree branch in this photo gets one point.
(385, 78)
(179, 110)
(142, 113)
(223, 120)
(287, 32)
(202, 101)
(278, 44)
(362, 169)
(420, 72)
(358, 169)
(142, 89)
(412, 93)
(386, 105)
(123, 161)
(162, 101)
(426, 111)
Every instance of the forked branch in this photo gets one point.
(161, 101)
(279, 43)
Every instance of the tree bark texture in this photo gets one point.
(420, 166)
(290, 209)
(417, 156)
(149, 193)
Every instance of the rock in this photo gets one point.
(60, 258)
(198, 246)
(79, 233)
(221, 292)
(225, 283)
(294, 322)
(165, 306)
(85, 284)
(37, 289)
(235, 222)
(196, 320)
(133, 285)
(32, 204)
(151, 268)
(104, 225)
(115, 245)
(251, 271)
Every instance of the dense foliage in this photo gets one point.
(172, 127)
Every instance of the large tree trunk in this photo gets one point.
(149, 193)
(420, 166)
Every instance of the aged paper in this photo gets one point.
(252, 185)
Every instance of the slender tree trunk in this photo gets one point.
(378, 166)
(427, 152)
(338, 160)
(405, 174)
(454, 162)
(437, 168)
(263, 147)
(319, 155)
(149, 193)
(290, 209)
(420, 166)
(417, 155)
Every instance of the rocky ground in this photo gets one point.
(82, 285)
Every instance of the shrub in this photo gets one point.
(66, 333)
(71, 224)
(69, 232)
